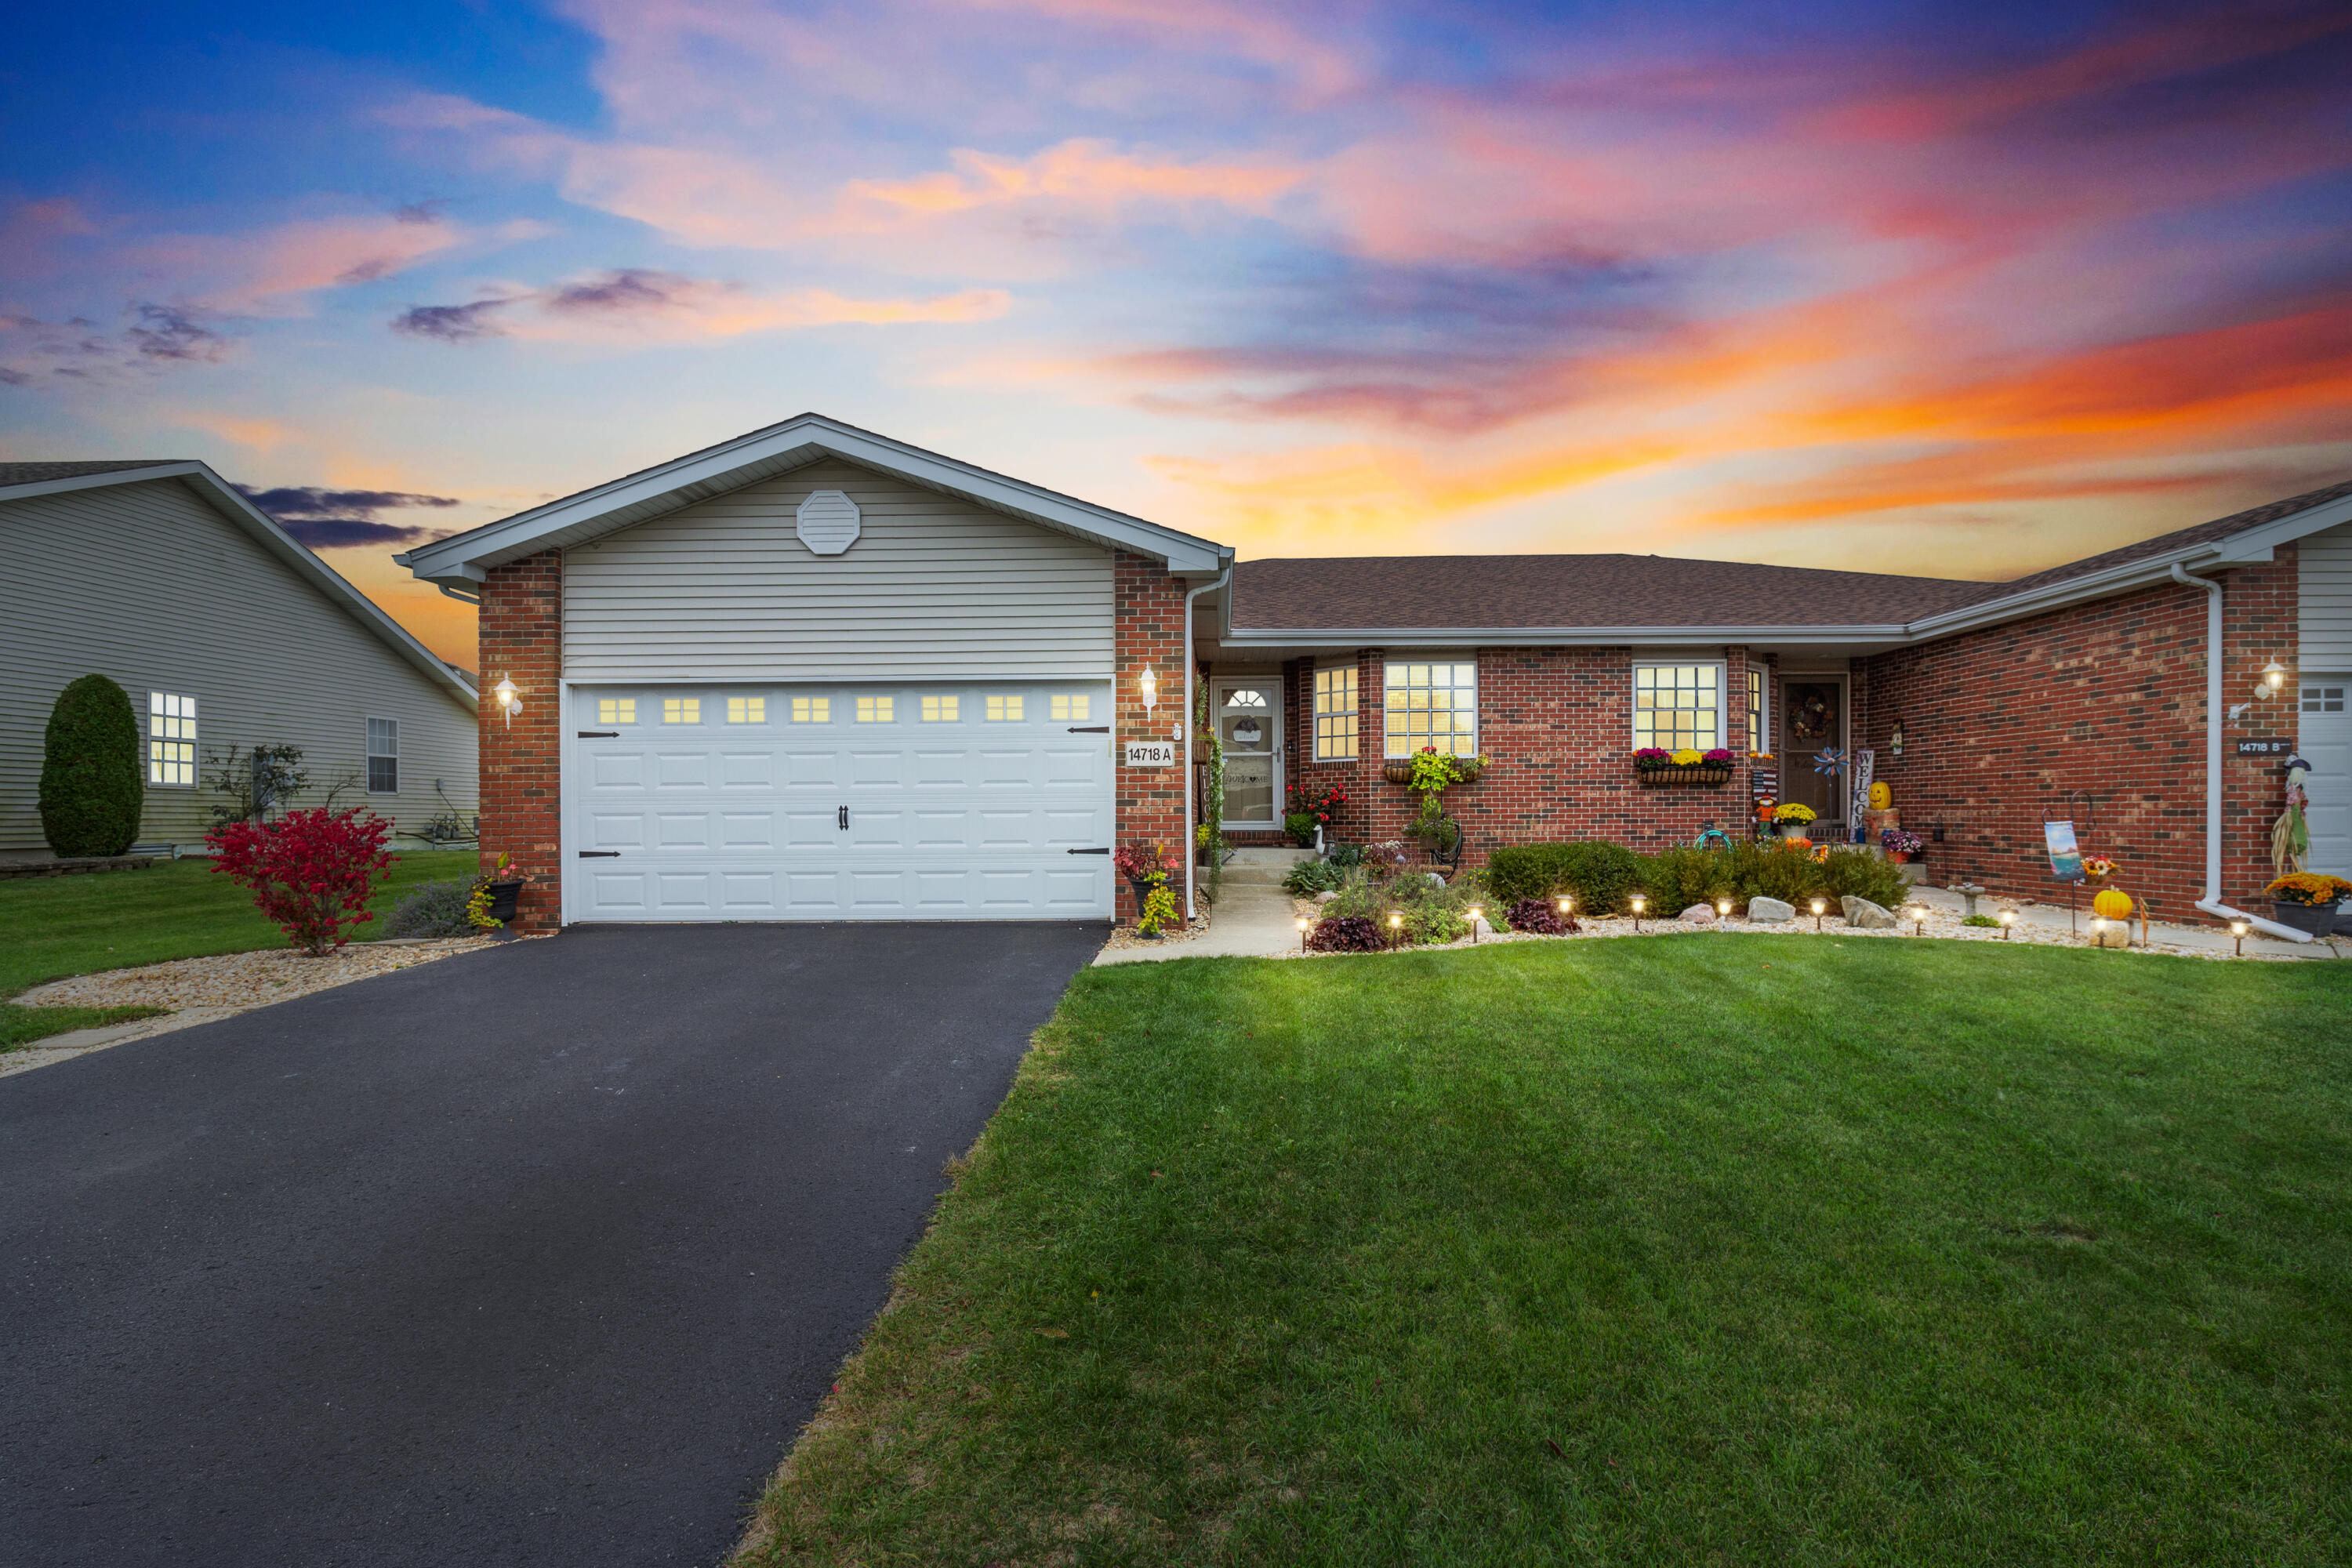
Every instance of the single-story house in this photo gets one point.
(813, 672)
(227, 634)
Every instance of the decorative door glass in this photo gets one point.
(1246, 723)
(1812, 721)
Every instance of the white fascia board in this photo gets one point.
(514, 538)
(2256, 544)
(1552, 636)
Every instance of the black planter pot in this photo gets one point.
(2316, 919)
(1142, 891)
(502, 899)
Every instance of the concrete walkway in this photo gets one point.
(2198, 937)
(1251, 917)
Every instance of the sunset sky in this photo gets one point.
(1951, 291)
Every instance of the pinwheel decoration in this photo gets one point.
(1829, 760)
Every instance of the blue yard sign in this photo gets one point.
(2065, 855)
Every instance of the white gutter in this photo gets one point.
(2211, 902)
(1191, 670)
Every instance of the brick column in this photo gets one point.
(522, 639)
(1148, 606)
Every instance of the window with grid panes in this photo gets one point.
(746, 710)
(1678, 707)
(2322, 699)
(1335, 713)
(681, 709)
(875, 710)
(171, 738)
(941, 709)
(1432, 704)
(1756, 729)
(383, 756)
(1004, 710)
(617, 711)
(1075, 706)
(812, 710)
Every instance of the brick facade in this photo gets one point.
(1149, 615)
(2108, 698)
(522, 639)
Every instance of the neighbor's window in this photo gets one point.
(681, 709)
(1335, 713)
(1756, 729)
(617, 711)
(746, 710)
(874, 709)
(1433, 705)
(1678, 707)
(941, 709)
(171, 738)
(1077, 705)
(1004, 710)
(812, 710)
(383, 756)
(2322, 699)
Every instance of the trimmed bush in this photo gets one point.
(1598, 874)
(436, 909)
(1540, 917)
(92, 786)
(1345, 933)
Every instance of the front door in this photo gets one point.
(1812, 721)
(1249, 721)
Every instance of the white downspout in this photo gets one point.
(2211, 902)
(1191, 673)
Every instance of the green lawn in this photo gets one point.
(53, 926)
(1738, 1250)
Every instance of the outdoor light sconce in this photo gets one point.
(2274, 680)
(2008, 919)
(510, 698)
(1148, 684)
(1476, 914)
(1820, 906)
(2238, 929)
(1637, 901)
(1895, 740)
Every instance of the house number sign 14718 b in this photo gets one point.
(1152, 753)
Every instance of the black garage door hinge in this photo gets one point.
(1104, 850)
(600, 734)
(1089, 729)
(600, 855)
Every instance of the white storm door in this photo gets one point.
(955, 800)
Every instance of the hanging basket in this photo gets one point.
(1684, 775)
(1465, 769)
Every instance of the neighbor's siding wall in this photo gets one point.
(148, 584)
(2323, 594)
(935, 587)
(2002, 724)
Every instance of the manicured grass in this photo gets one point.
(22, 1026)
(1765, 1250)
(52, 927)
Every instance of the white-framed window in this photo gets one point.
(1759, 735)
(2328, 699)
(1004, 710)
(875, 710)
(383, 756)
(941, 709)
(812, 710)
(1677, 706)
(1432, 703)
(1335, 713)
(616, 710)
(746, 710)
(1074, 706)
(171, 738)
(681, 709)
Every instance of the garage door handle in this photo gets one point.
(600, 855)
(841, 820)
(1089, 729)
(1104, 850)
(600, 734)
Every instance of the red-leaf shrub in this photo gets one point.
(310, 871)
(1540, 917)
(1345, 933)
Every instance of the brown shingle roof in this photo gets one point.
(1408, 593)
(40, 473)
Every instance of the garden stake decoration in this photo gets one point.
(1819, 906)
(2238, 930)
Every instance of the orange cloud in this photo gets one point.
(268, 273)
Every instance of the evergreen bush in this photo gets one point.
(92, 786)
(1598, 874)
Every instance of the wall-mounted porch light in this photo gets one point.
(510, 698)
(2274, 680)
(1148, 684)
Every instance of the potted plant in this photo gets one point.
(1312, 808)
(1412, 771)
(1146, 867)
(1794, 818)
(2308, 900)
(1899, 844)
(495, 895)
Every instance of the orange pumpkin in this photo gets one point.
(2113, 903)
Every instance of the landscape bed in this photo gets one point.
(1776, 1250)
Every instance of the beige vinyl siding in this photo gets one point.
(147, 583)
(936, 587)
(2324, 571)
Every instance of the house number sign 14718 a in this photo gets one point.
(1152, 753)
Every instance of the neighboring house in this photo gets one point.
(226, 632)
(816, 673)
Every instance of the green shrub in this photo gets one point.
(436, 909)
(1432, 911)
(1979, 921)
(92, 786)
(1597, 874)
(1309, 878)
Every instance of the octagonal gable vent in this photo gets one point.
(828, 522)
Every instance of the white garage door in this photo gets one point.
(2325, 737)
(950, 801)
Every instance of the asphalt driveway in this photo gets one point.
(536, 1255)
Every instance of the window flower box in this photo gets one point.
(1466, 770)
(1683, 775)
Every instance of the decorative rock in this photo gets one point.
(1326, 896)
(1434, 880)
(1867, 916)
(1697, 915)
(1762, 910)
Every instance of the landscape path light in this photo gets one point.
(1723, 909)
(1820, 907)
(1303, 924)
(2238, 929)
(1636, 901)
(1566, 904)
(2007, 920)
(1476, 914)
(2099, 929)
(1917, 914)
(1396, 928)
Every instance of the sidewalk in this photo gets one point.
(2199, 938)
